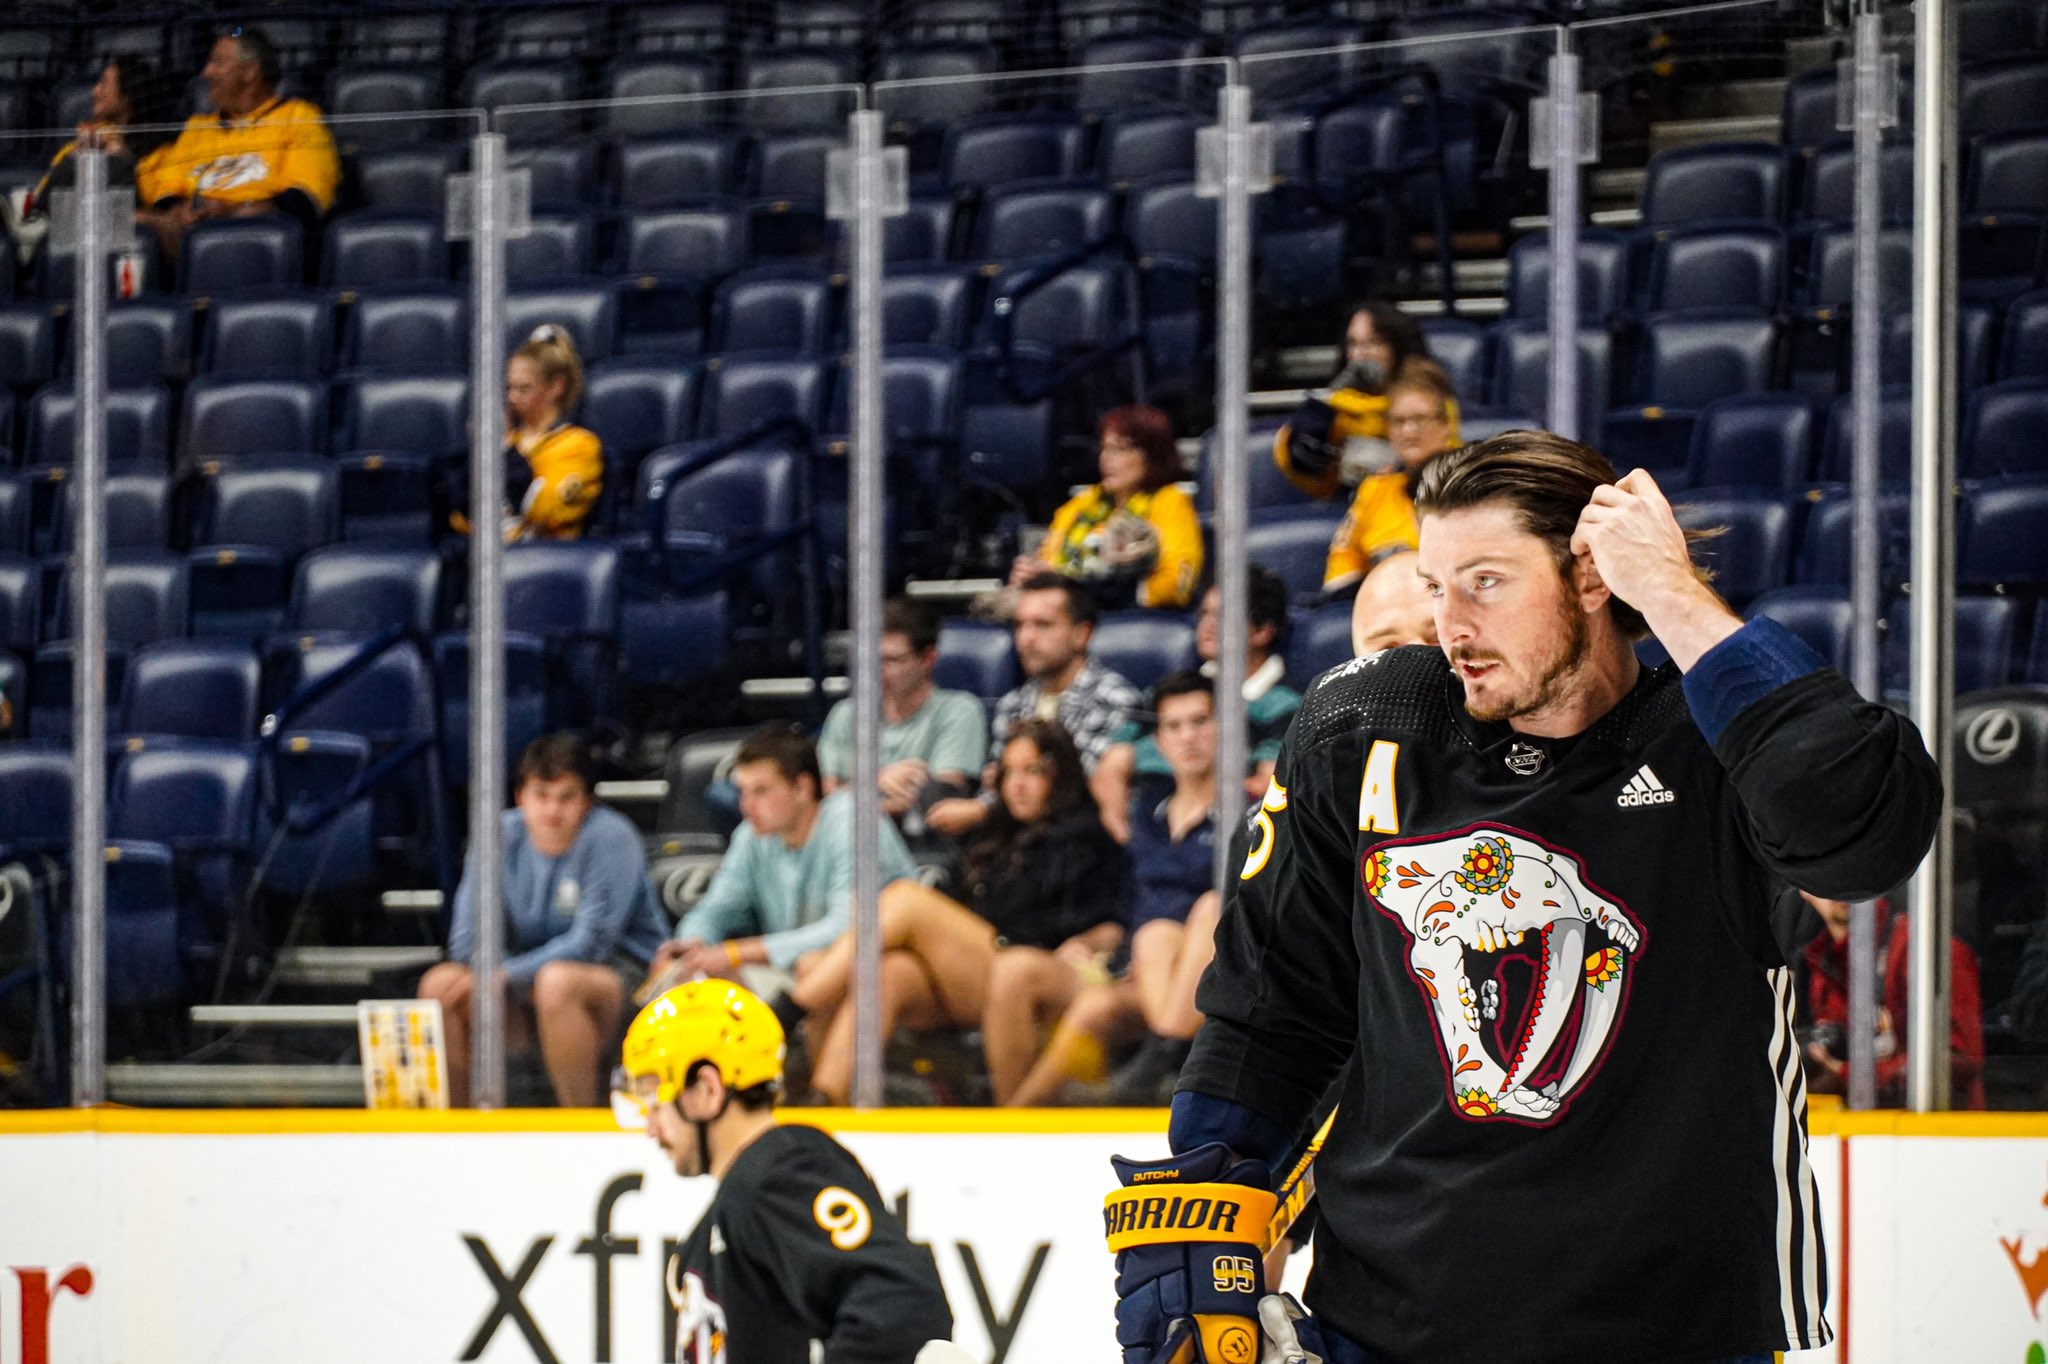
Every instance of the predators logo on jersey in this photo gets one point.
(700, 1320)
(1523, 963)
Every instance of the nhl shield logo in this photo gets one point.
(1523, 963)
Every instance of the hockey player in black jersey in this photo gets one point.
(797, 1246)
(1511, 894)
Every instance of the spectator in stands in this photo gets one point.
(554, 469)
(580, 924)
(1055, 620)
(1133, 538)
(1422, 423)
(255, 153)
(1824, 964)
(1169, 911)
(933, 740)
(1043, 875)
(6, 715)
(1392, 607)
(1133, 762)
(1338, 435)
(128, 98)
(784, 889)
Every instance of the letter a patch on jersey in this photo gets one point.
(1379, 812)
(1524, 964)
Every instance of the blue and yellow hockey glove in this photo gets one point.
(1188, 1234)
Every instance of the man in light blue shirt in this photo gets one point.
(785, 887)
(581, 922)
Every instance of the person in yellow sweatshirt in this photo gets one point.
(553, 468)
(1133, 538)
(256, 152)
(1338, 436)
(1422, 423)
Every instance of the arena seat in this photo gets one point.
(1753, 553)
(656, 93)
(1728, 181)
(1603, 276)
(407, 330)
(138, 425)
(284, 334)
(1019, 219)
(1819, 615)
(229, 416)
(147, 341)
(1143, 646)
(743, 390)
(1894, 444)
(976, 657)
(654, 169)
(364, 588)
(242, 255)
(1762, 440)
(2004, 428)
(1716, 267)
(1293, 543)
(192, 689)
(772, 308)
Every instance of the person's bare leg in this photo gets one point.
(1155, 955)
(451, 984)
(1028, 988)
(940, 929)
(1179, 1017)
(1100, 1017)
(907, 1000)
(576, 1008)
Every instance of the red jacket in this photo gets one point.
(1826, 965)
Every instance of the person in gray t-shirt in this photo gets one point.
(933, 740)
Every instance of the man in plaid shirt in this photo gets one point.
(1055, 620)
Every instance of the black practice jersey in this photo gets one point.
(796, 1247)
(1572, 1123)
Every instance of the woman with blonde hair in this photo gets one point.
(1422, 423)
(554, 469)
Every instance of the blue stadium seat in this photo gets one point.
(28, 344)
(1143, 646)
(1986, 631)
(242, 255)
(144, 601)
(148, 341)
(48, 695)
(379, 35)
(2024, 351)
(1811, 111)
(285, 334)
(1894, 442)
(1831, 267)
(2037, 653)
(953, 21)
(226, 416)
(1998, 533)
(1824, 550)
(424, 414)
(1976, 347)
(192, 689)
(386, 497)
(588, 312)
(356, 93)
(2005, 428)
(1000, 148)
(1040, 218)
(773, 308)
(704, 241)
(743, 390)
(974, 656)
(931, 306)
(16, 500)
(1076, 309)
(2005, 93)
(1320, 641)
(1753, 554)
(1521, 370)
(567, 596)
(636, 404)
(922, 235)
(736, 504)
(1140, 143)
(678, 28)
(2008, 173)
(663, 168)
(770, 69)
(1264, 484)
(1165, 217)
(1461, 347)
(381, 247)
(282, 504)
(495, 85)
(407, 330)
(548, 32)
(138, 425)
(526, 698)
(1603, 276)
(136, 511)
(365, 588)
(389, 702)
(21, 602)
(1716, 267)
(1295, 544)
(1818, 615)
(198, 797)
(1716, 180)
(306, 772)
(1689, 359)
(410, 179)
(947, 93)
(828, 23)
(656, 94)
(35, 798)
(1828, 188)
(1282, 81)
(556, 246)
(1760, 440)
(791, 165)
(1997, 28)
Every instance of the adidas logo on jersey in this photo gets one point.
(1644, 789)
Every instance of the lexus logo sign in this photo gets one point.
(1992, 736)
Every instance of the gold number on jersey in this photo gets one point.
(1262, 830)
(1235, 1274)
(1378, 811)
(841, 1212)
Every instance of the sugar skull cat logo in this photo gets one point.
(1524, 964)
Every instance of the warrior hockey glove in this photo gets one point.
(1188, 1233)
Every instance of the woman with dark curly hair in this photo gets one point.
(1042, 873)
(1338, 436)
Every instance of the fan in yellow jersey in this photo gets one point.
(1133, 538)
(1339, 433)
(553, 468)
(1422, 423)
(797, 1257)
(257, 152)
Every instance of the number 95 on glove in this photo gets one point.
(1188, 1233)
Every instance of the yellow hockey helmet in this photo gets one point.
(712, 1021)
